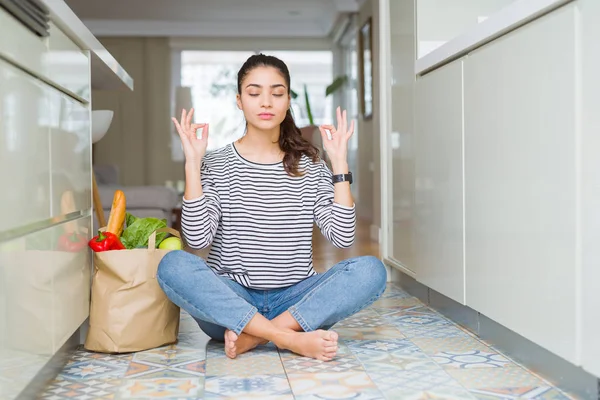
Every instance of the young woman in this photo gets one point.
(256, 201)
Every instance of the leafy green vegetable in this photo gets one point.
(130, 219)
(138, 231)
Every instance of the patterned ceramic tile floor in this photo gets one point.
(396, 349)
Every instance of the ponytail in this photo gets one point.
(294, 146)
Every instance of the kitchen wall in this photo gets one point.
(139, 137)
(369, 172)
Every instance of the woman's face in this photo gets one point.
(264, 98)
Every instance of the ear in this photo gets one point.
(238, 100)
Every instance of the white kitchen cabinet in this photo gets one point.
(70, 149)
(520, 107)
(24, 144)
(66, 64)
(439, 222)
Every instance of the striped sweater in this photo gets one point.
(260, 220)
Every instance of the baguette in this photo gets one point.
(117, 214)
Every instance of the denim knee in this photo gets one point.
(372, 271)
(174, 265)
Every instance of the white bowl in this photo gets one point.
(101, 120)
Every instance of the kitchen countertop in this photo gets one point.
(510, 17)
(107, 73)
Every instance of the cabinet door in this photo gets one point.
(520, 180)
(439, 177)
(24, 144)
(70, 153)
(45, 282)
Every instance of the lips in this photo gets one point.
(265, 115)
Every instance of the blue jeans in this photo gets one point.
(318, 302)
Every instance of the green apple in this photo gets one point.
(171, 243)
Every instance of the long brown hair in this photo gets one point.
(291, 141)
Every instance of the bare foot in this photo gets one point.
(319, 344)
(236, 345)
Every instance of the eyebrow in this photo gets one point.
(260, 86)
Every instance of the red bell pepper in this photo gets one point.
(105, 241)
(72, 242)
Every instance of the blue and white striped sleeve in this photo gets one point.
(200, 217)
(336, 222)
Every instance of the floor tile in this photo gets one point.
(381, 345)
(116, 359)
(396, 303)
(418, 309)
(433, 332)
(334, 385)
(471, 359)
(456, 344)
(244, 366)
(390, 362)
(187, 369)
(419, 384)
(377, 332)
(362, 321)
(417, 320)
(256, 385)
(161, 388)
(495, 378)
(65, 388)
(93, 369)
(341, 363)
(537, 393)
(170, 355)
(249, 396)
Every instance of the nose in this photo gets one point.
(265, 100)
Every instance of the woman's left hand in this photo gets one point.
(336, 144)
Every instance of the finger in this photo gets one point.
(204, 133)
(344, 122)
(194, 130)
(325, 134)
(351, 129)
(189, 117)
(338, 113)
(177, 126)
(180, 131)
(183, 118)
(330, 128)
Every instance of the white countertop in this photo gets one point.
(107, 73)
(510, 17)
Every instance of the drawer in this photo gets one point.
(46, 288)
(56, 58)
(66, 64)
(24, 149)
(19, 45)
(70, 154)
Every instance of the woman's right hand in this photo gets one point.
(194, 147)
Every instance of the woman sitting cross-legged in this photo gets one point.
(255, 201)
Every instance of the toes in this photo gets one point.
(231, 335)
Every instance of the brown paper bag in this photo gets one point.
(129, 311)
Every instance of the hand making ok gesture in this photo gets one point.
(194, 146)
(336, 144)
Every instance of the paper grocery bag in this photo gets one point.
(129, 311)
